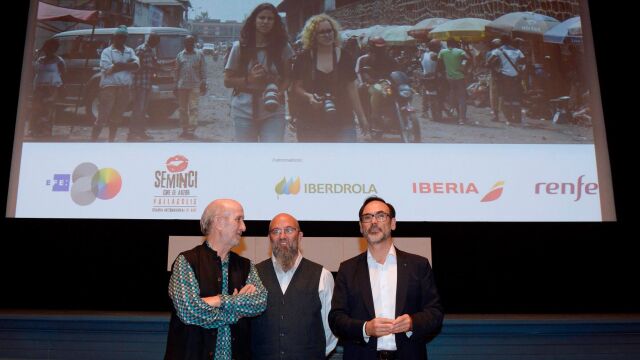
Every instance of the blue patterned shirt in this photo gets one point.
(184, 291)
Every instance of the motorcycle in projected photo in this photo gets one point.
(397, 115)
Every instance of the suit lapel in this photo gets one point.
(403, 282)
(365, 281)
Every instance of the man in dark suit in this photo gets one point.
(385, 302)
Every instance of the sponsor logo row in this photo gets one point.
(176, 183)
(575, 190)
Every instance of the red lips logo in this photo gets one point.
(177, 163)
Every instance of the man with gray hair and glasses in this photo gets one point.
(213, 291)
(385, 304)
(295, 324)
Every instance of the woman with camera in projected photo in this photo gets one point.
(257, 70)
(324, 79)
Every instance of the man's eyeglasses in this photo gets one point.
(277, 231)
(325, 32)
(380, 216)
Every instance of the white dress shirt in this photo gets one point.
(384, 281)
(325, 291)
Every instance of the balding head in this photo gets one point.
(219, 207)
(284, 217)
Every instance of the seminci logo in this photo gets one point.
(91, 183)
(177, 163)
(291, 187)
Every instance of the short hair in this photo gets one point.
(309, 32)
(205, 220)
(52, 44)
(153, 35)
(392, 210)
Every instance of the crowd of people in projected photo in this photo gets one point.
(329, 85)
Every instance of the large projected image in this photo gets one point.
(458, 113)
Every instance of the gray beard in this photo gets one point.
(370, 240)
(286, 258)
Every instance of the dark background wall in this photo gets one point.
(480, 267)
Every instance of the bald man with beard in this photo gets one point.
(295, 324)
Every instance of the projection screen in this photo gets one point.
(546, 160)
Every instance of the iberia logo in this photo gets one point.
(494, 193)
(451, 188)
(91, 183)
(291, 187)
(177, 163)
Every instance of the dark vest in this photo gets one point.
(291, 327)
(191, 342)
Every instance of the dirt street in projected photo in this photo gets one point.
(215, 125)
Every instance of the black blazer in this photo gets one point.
(416, 295)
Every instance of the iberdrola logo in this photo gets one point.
(291, 187)
(494, 193)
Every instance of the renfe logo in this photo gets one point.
(553, 188)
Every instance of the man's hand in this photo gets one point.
(401, 324)
(213, 301)
(116, 67)
(379, 327)
(246, 290)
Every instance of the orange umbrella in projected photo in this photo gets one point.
(465, 29)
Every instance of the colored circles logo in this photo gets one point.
(106, 183)
(91, 183)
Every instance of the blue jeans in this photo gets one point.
(265, 126)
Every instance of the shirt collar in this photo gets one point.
(392, 253)
(279, 269)
(208, 246)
